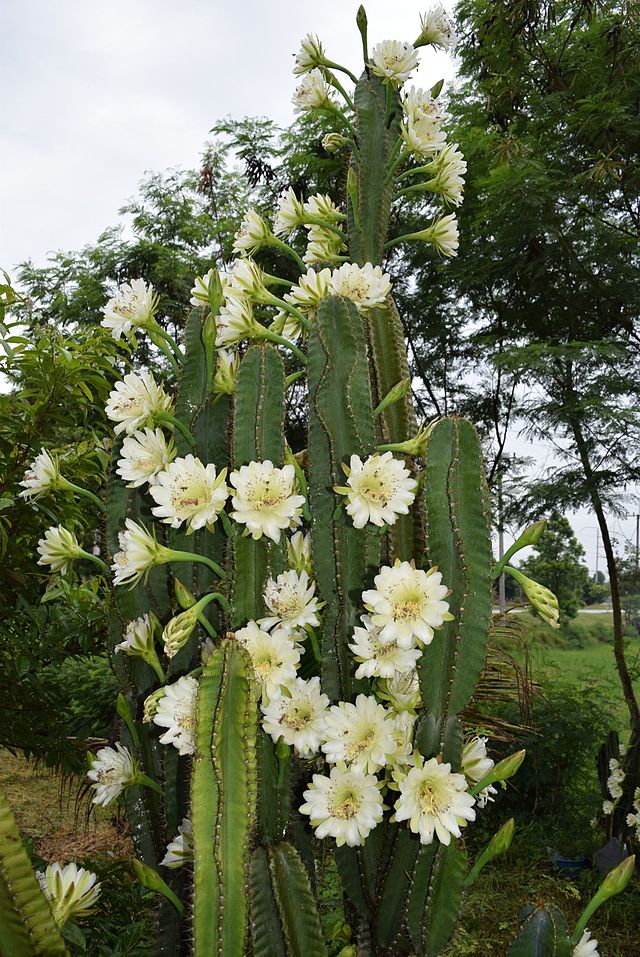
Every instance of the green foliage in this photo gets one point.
(556, 563)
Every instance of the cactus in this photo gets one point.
(27, 927)
(255, 768)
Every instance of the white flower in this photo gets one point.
(226, 374)
(139, 551)
(41, 475)
(176, 711)
(136, 401)
(112, 771)
(360, 734)
(299, 552)
(180, 849)
(323, 246)
(436, 27)
(312, 288)
(324, 207)
(265, 500)
(394, 60)
(236, 321)
(297, 716)
(607, 808)
(346, 805)
(291, 601)
(448, 168)
(404, 722)
(249, 280)
(313, 93)
(443, 234)
(615, 779)
(71, 891)
(200, 291)
(133, 307)
(58, 548)
(252, 235)
(366, 286)
(423, 136)
(407, 603)
(310, 55)
(475, 763)
(418, 105)
(379, 489)
(144, 454)
(289, 214)
(402, 691)
(380, 659)
(188, 491)
(586, 946)
(139, 637)
(433, 799)
(274, 656)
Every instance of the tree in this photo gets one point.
(557, 563)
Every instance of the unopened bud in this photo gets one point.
(150, 879)
(539, 597)
(417, 446)
(617, 879)
(333, 142)
(395, 393)
(436, 89)
(151, 705)
(184, 597)
(299, 553)
(501, 842)
(178, 631)
(209, 332)
(506, 768)
(226, 374)
(215, 291)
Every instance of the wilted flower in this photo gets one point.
(112, 771)
(475, 764)
(332, 142)
(71, 891)
(176, 711)
(202, 286)
(136, 401)
(402, 691)
(447, 173)
(324, 207)
(297, 716)
(323, 246)
(380, 659)
(144, 454)
(299, 552)
(188, 491)
(290, 599)
(139, 638)
(226, 374)
(180, 849)
(434, 800)
(394, 60)
(265, 500)
(345, 805)
(586, 946)
(133, 307)
(540, 598)
(407, 603)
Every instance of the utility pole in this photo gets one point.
(502, 596)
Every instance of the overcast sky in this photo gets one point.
(96, 92)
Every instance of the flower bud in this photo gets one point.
(184, 597)
(501, 841)
(333, 142)
(215, 291)
(395, 393)
(540, 598)
(151, 703)
(617, 879)
(226, 374)
(178, 631)
(506, 768)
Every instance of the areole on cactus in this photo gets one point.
(320, 640)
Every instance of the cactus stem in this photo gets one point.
(177, 424)
(180, 556)
(281, 341)
(85, 491)
(335, 82)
